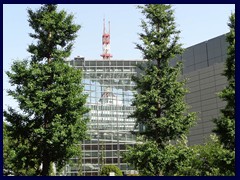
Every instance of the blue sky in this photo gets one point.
(196, 22)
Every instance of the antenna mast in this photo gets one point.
(106, 42)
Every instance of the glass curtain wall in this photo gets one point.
(110, 93)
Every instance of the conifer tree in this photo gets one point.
(160, 105)
(49, 94)
(226, 122)
(161, 109)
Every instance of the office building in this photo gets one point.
(110, 92)
(110, 89)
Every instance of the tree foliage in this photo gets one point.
(106, 169)
(209, 159)
(153, 161)
(179, 159)
(226, 122)
(160, 105)
(13, 163)
(54, 32)
(145, 157)
(161, 110)
(49, 94)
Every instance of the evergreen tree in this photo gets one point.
(8, 153)
(49, 93)
(226, 122)
(160, 105)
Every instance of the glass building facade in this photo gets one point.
(110, 93)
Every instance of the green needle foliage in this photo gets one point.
(50, 97)
(54, 32)
(161, 111)
(226, 122)
(160, 105)
(8, 153)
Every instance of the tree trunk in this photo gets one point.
(46, 164)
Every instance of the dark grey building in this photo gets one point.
(203, 66)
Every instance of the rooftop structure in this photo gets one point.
(106, 42)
